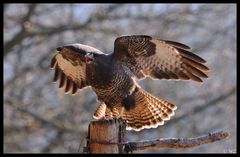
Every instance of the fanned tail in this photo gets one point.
(148, 112)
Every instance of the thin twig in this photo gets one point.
(23, 33)
(176, 142)
(53, 122)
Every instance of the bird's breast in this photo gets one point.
(114, 88)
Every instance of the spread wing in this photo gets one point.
(70, 70)
(159, 59)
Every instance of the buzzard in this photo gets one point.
(113, 76)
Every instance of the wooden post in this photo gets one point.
(106, 136)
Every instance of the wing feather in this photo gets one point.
(62, 80)
(177, 44)
(70, 70)
(56, 75)
(53, 62)
(190, 55)
(74, 88)
(68, 86)
(159, 59)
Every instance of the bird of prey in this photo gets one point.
(113, 76)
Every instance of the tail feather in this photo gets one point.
(149, 111)
(100, 112)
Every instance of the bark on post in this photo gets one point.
(106, 136)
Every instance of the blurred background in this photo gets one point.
(39, 117)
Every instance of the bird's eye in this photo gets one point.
(89, 57)
(59, 49)
(88, 53)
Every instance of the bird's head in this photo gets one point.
(86, 53)
(89, 57)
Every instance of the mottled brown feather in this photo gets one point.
(195, 64)
(53, 62)
(68, 86)
(177, 45)
(160, 59)
(191, 55)
(100, 112)
(149, 112)
(56, 74)
(62, 80)
(134, 56)
(74, 89)
(70, 73)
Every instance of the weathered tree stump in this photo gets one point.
(106, 136)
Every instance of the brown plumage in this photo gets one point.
(113, 76)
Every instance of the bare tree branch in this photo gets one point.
(176, 142)
(55, 123)
(22, 34)
(95, 17)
